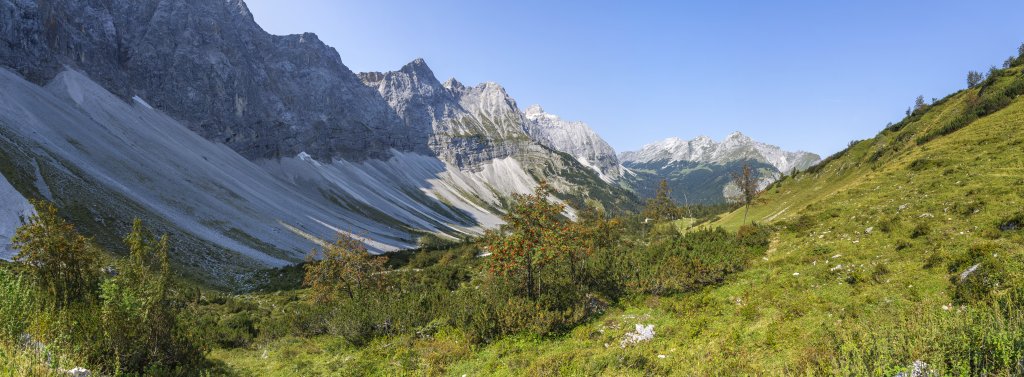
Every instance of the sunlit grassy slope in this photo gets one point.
(859, 279)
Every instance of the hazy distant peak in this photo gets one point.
(736, 146)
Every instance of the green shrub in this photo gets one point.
(920, 230)
(976, 273)
(879, 272)
(903, 244)
(139, 313)
(60, 261)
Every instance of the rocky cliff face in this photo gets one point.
(462, 125)
(574, 138)
(141, 97)
(469, 127)
(207, 63)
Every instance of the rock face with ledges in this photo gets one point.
(210, 65)
(463, 125)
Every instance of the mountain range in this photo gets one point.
(249, 148)
(700, 170)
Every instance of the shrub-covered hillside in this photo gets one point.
(904, 250)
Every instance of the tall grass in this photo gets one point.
(982, 339)
(16, 306)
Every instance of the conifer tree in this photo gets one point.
(661, 207)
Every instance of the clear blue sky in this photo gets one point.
(808, 75)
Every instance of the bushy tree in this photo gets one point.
(139, 311)
(993, 72)
(535, 235)
(59, 260)
(661, 207)
(748, 183)
(344, 268)
(919, 103)
(974, 78)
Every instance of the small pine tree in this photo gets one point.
(919, 103)
(661, 207)
(58, 259)
(140, 312)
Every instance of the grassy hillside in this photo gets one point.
(864, 276)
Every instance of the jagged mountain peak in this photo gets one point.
(453, 84)
(242, 9)
(417, 67)
(533, 110)
(738, 136)
(575, 138)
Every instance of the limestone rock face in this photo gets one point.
(575, 138)
(462, 125)
(208, 64)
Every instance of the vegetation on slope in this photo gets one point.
(905, 249)
(901, 250)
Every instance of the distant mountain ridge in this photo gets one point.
(699, 170)
(735, 147)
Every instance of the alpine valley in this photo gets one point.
(249, 149)
(183, 193)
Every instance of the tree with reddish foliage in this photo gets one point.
(535, 235)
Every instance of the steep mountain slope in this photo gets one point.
(873, 262)
(574, 138)
(106, 161)
(312, 148)
(469, 126)
(14, 210)
(699, 170)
